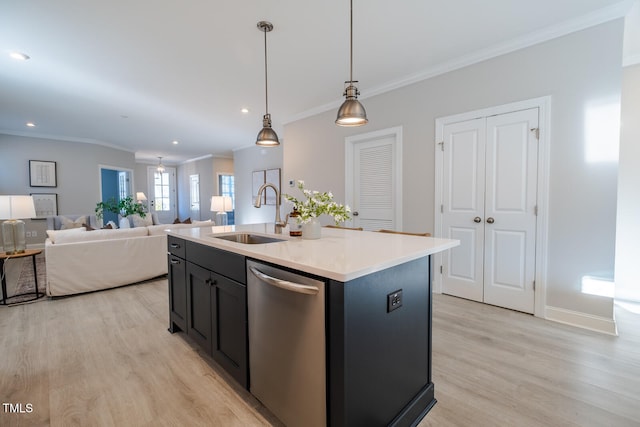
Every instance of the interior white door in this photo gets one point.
(489, 196)
(162, 191)
(374, 188)
(463, 208)
(510, 210)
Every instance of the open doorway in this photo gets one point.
(115, 183)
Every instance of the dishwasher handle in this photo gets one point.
(285, 284)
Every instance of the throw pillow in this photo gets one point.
(88, 227)
(107, 227)
(187, 221)
(176, 221)
(54, 235)
(68, 223)
(138, 221)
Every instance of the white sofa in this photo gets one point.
(80, 261)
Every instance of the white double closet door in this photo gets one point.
(490, 168)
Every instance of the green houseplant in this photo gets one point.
(316, 204)
(313, 206)
(124, 207)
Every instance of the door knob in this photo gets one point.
(490, 220)
(477, 219)
(356, 213)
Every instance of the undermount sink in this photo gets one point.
(248, 238)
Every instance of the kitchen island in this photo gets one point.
(369, 364)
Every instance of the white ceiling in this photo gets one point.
(140, 74)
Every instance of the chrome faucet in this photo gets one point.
(279, 223)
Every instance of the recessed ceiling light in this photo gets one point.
(19, 56)
(174, 142)
(31, 124)
(245, 110)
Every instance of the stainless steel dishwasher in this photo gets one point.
(287, 358)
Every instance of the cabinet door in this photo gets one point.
(199, 305)
(177, 294)
(229, 326)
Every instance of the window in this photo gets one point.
(162, 192)
(226, 187)
(194, 192)
(123, 184)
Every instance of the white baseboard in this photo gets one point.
(582, 320)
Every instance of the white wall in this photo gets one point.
(246, 161)
(579, 71)
(628, 234)
(208, 168)
(78, 174)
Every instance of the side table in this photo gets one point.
(3, 258)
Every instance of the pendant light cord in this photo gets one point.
(266, 90)
(351, 43)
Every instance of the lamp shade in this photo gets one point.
(267, 137)
(141, 197)
(351, 113)
(17, 207)
(221, 204)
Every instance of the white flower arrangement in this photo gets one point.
(316, 204)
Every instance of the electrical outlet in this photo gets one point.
(28, 234)
(34, 233)
(292, 183)
(394, 300)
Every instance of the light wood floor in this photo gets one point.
(107, 359)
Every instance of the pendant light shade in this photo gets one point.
(351, 112)
(267, 137)
(160, 167)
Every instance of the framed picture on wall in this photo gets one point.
(46, 204)
(273, 177)
(42, 173)
(257, 181)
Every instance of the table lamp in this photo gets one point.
(141, 199)
(221, 205)
(12, 209)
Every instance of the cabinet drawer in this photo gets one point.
(176, 246)
(222, 262)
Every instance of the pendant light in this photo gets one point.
(351, 112)
(160, 167)
(267, 137)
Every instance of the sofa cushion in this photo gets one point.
(159, 229)
(155, 230)
(68, 223)
(55, 234)
(55, 223)
(138, 221)
(120, 233)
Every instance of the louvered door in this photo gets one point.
(374, 186)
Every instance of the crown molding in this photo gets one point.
(64, 139)
(609, 13)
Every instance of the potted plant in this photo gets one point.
(313, 206)
(124, 207)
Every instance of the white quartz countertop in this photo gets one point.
(339, 254)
